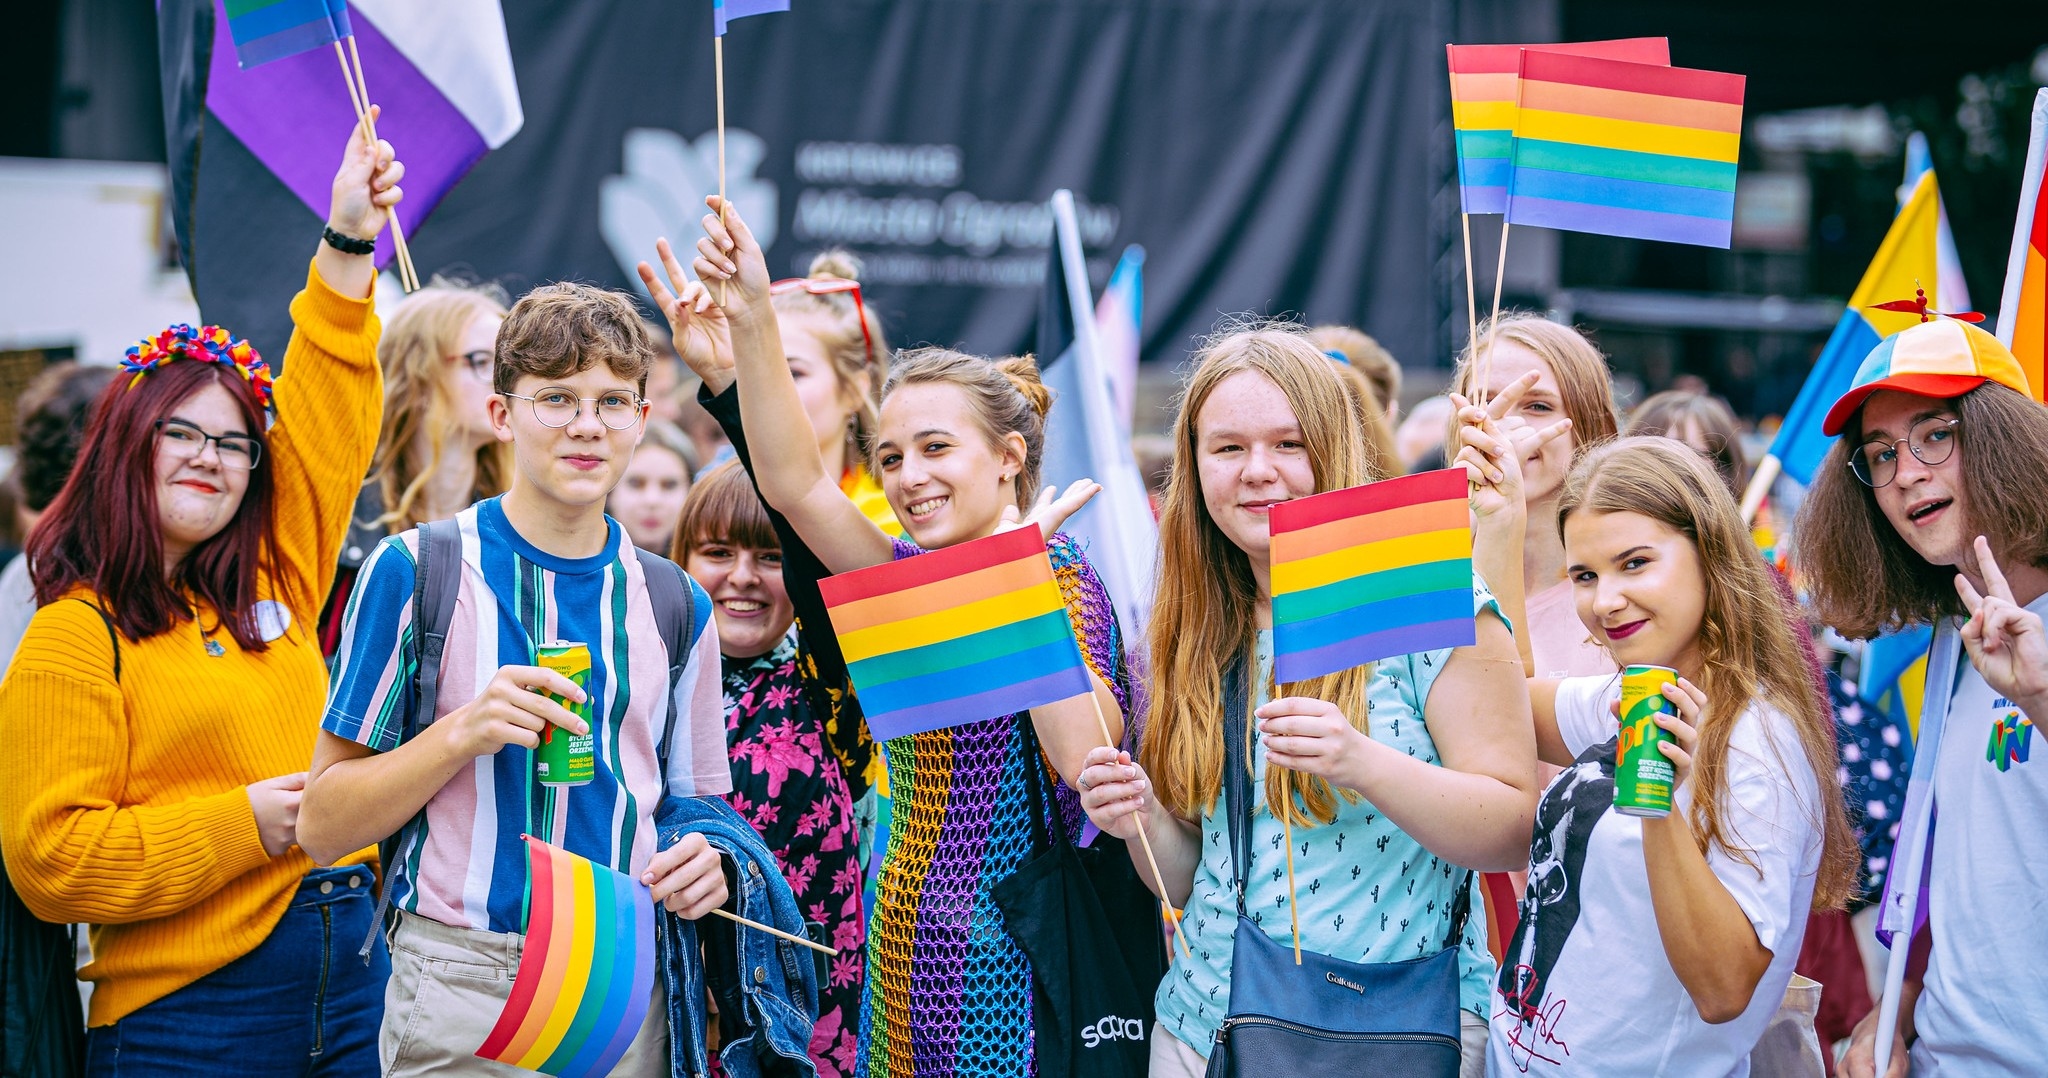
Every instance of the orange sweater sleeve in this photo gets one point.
(73, 850)
(330, 403)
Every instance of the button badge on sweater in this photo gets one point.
(272, 619)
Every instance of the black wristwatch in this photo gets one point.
(348, 245)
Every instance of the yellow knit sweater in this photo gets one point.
(122, 803)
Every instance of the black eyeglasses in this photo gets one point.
(1932, 441)
(478, 363)
(185, 440)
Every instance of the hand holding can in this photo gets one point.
(564, 758)
(1643, 777)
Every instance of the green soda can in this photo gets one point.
(563, 758)
(1642, 776)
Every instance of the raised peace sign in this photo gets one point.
(2005, 640)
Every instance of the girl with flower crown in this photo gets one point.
(160, 708)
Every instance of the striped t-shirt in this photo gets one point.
(461, 861)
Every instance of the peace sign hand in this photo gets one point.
(702, 335)
(2006, 641)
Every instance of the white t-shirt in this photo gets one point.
(17, 606)
(1601, 997)
(1984, 1007)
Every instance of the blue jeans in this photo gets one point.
(301, 1004)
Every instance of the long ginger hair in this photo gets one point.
(1203, 619)
(1747, 649)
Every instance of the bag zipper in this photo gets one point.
(1223, 1034)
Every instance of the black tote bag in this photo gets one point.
(42, 1024)
(1097, 948)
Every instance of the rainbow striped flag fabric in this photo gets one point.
(586, 977)
(725, 11)
(1371, 572)
(266, 30)
(2023, 308)
(958, 635)
(1625, 149)
(1484, 90)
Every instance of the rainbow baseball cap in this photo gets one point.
(1943, 358)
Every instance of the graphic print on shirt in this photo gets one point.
(1565, 818)
(2012, 736)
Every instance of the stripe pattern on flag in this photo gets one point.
(1626, 149)
(958, 635)
(1371, 572)
(266, 30)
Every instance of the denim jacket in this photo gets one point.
(767, 988)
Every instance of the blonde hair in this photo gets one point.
(1380, 453)
(1203, 619)
(855, 353)
(1747, 648)
(1005, 396)
(1583, 381)
(1368, 357)
(414, 351)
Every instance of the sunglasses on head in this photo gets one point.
(825, 286)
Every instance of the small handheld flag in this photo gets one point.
(956, 635)
(266, 30)
(725, 11)
(586, 977)
(1624, 149)
(2023, 310)
(1483, 96)
(1371, 572)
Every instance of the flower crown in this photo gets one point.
(207, 344)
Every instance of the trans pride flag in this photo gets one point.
(1484, 90)
(958, 635)
(1625, 149)
(1371, 572)
(586, 975)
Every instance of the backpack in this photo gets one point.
(681, 609)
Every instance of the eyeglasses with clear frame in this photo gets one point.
(184, 440)
(1932, 441)
(557, 408)
(826, 286)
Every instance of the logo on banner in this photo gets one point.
(660, 192)
(2012, 737)
(1112, 1028)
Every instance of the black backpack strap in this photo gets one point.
(113, 634)
(436, 580)
(1237, 778)
(682, 620)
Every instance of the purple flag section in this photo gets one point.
(287, 112)
(725, 11)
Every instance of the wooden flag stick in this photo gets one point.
(1471, 305)
(1287, 830)
(1144, 840)
(359, 96)
(777, 933)
(718, 64)
(1500, 271)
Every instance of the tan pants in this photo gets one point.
(448, 986)
(1172, 1058)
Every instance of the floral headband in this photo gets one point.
(207, 344)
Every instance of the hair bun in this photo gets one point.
(1022, 374)
(835, 262)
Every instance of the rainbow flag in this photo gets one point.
(1625, 149)
(1483, 93)
(586, 977)
(1371, 572)
(956, 635)
(266, 30)
(725, 11)
(2023, 311)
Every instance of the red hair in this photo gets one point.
(102, 531)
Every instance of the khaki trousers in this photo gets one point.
(448, 986)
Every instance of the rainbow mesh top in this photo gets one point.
(948, 992)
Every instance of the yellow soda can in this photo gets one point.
(563, 758)
(1642, 775)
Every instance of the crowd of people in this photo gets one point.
(275, 692)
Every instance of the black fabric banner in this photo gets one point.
(1272, 156)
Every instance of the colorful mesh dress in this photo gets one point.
(948, 991)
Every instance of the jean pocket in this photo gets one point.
(453, 1007)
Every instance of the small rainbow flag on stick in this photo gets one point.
(1371, 572)
(1625, 149)
(956, 635)
(1483, 94)
(266, 30)
(586, 977)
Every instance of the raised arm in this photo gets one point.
(787, 470)
(1492, 445)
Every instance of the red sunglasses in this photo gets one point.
(825, 286)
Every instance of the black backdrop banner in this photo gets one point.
(1274, 156)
